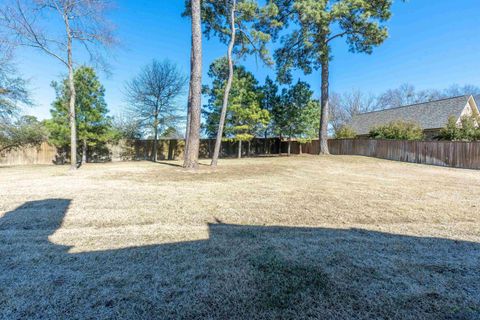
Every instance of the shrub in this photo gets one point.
(467, 130)
(25, 131)
(398, 130)
(345, 132)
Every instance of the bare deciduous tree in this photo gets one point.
(153, 97)
(13, 89)
(406, 94)
(35, 23)
(344, 106)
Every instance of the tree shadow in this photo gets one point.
(239, 272)
(171, 164)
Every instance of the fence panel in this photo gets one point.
(42, 154)
(440, 153)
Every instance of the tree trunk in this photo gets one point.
(289, 147)
(239, 149)
(84, 151)
(300, 148)
(323, 134)
(265, 142)
(218, 142)
(155, 141)
(192, 141)
(187, 128)
(71, 106)
(249, 150)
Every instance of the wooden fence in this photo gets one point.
(442, 153)
(42, 154)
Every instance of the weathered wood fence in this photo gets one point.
(42, 154)
(442, 153)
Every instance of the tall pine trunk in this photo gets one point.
(192, 146)
(265, 142)
(187, 128)
(289, 146)
(221, 124)
(84, 151)
(323, 134)
(71, 105)
(239, 149)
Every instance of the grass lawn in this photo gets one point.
(267, 238)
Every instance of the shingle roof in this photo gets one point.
(429, 115)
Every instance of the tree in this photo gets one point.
(456, 90)
(93, 124)
(26, 131)
(344, 106)
(153, 97)
(405, 95)
(244, 118)
(270, 101)
(83, 21)
(13, 89)
(238, 23)
(318, 23)
(192, 137)
(297, 115)
(124, 127)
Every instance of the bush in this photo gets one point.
(467, 130)
(398, 130)
(345, 132)
(25, 131)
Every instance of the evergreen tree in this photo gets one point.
(92, 122)
(297, 115)
(242, 24)
(244, 118)
(317, 23)
(270, 101)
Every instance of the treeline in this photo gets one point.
(259, 110)
(303, 30)
(238, 108)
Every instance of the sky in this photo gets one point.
(432, 44)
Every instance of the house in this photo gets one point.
(431, 116)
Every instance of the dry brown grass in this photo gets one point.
(267, 238)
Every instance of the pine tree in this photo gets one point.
(92, 122)
(244, 117)
(297, 115)
(317, 23)
(242, 25)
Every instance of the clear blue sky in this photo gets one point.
(432, 44)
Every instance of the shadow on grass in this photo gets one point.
(239, 272)
(171, 164)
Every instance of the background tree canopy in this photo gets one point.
(25, 131)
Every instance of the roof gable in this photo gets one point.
(429, 115)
